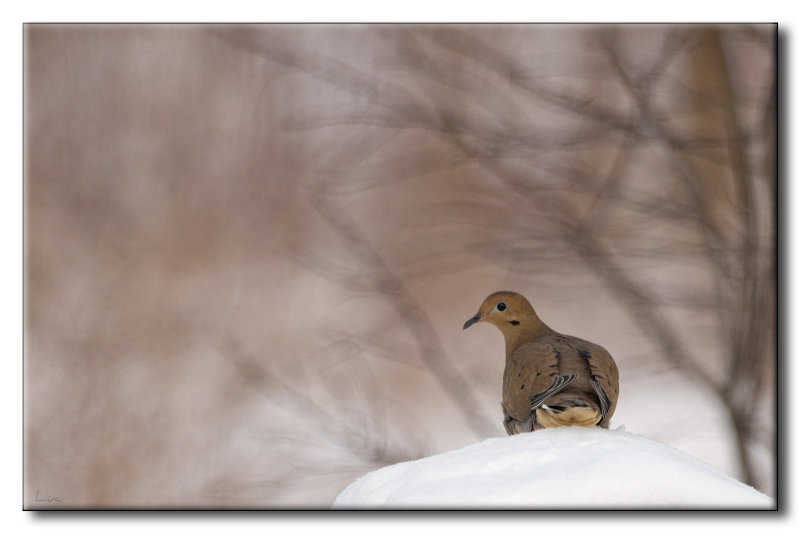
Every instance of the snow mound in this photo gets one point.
(567, 467)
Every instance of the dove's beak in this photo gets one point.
(477, 318)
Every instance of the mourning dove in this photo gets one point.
(550, 379)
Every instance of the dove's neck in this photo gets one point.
(517, 335)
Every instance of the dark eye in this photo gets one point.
(501, 306)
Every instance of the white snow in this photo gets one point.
(566, 467)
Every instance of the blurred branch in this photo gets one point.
(572, 207)
(378, 277)
(356, 434)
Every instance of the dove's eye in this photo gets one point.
(501, 306)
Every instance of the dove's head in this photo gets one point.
(511, 313)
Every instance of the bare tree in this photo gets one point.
(708, 203)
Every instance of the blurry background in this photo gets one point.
(249, 250)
